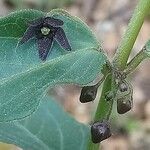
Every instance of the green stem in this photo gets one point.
(120, 60)
(104, 108)
(126, 44)
(132, 65)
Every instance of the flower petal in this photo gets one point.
(53, 22)
(36, 22)
(62, 39)
(30, 33)
(44, 46)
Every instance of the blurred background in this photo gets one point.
(108, 19)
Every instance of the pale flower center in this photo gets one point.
(45, 30)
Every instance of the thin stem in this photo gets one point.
(126, 44)
(104, 108)
(100, 81)
(132, 65)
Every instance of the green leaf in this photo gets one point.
(78, 33)
(49, 128)
(24, 79)
(20, 94)
(15, 24)
(16, 58)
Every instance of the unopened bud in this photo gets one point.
(124, 104)
(100, 131)
(88, 94)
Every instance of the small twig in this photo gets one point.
(132, 65)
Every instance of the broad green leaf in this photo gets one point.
(78, 33)
(20, 94)
(16, 58)
(15, 24)
(49, 128)
(24, 79)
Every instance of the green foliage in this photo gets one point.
(78, 33)
(15, 24)
(20, 94)
(49, 128)
(25, 79)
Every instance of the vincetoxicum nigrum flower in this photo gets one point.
(100, 131)
(125, 102)
(46, 30)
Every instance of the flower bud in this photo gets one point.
(88, 93)
(100, 131)
(124, 104)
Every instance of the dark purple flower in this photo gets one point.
(46, 30)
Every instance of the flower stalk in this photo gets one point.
(128, 40)
(133, 64)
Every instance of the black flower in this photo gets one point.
(45, 30)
